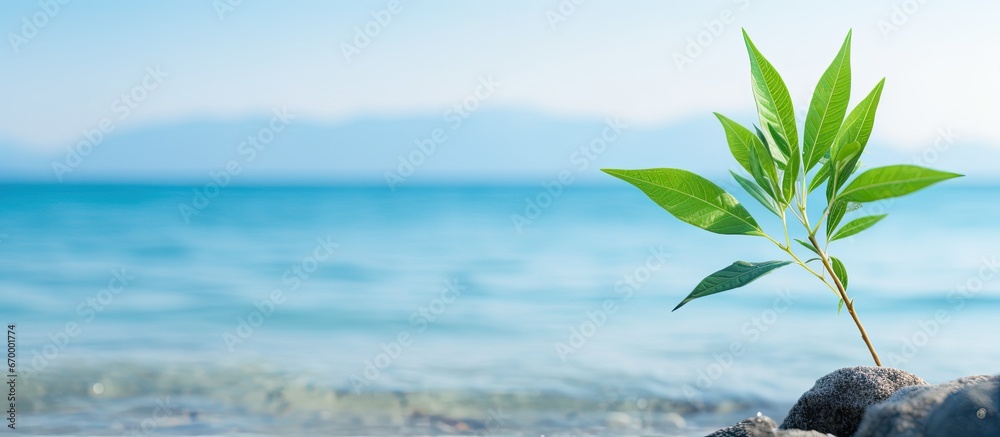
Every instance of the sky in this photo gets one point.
(68, 65)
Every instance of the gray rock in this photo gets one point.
(752, 427)
(951, 408)
(971, 411)
(761, 426)
(837, 402)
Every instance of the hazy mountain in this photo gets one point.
(488, 146)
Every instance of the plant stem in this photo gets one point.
(847, 302)
(821, 218)
(788, 241)
(788, 250)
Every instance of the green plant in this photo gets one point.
(781, 177)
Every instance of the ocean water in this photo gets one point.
(457, 310)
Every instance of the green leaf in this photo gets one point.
(791, 167)
(692, 199)
(828, 106)
(770, 149)
(843, 165)
(779, 141)
(808, 246)
(891, 181)
(756, 192)
(857, 225)
(740, 140)
(762, 168)
(821, 176)
(840, 270)
(859, 123)
(847, 162)
(738, 274)
(788, 184)
(837, 211)
(774, 105)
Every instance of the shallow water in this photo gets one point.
(469, 324)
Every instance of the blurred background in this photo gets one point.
(387, 217)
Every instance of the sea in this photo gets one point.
(532, 310)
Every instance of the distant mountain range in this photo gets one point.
(487, 147)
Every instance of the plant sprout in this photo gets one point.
(780, 175)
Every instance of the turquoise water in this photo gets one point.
(430, 310)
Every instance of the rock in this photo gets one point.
(952, 408)
(619, 420)
(754, 426)
(798, 433)
(672, 420)
(837, 402)
(761, 426)
(971, 411)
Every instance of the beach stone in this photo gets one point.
(619, 419)
(754, 426)
(672, 420)
(952, 408)
(837, 402)
(762, 426)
